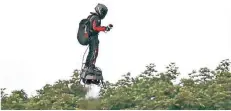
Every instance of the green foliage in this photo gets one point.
(63, 94)
(89, 104)
(16, 100)
(205, 89)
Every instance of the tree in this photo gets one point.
(63, 94)
(17, 100)
(205, 89)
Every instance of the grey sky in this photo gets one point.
(38, 42)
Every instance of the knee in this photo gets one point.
(91, 52)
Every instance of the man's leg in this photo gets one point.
(92, 54)
(96, 52)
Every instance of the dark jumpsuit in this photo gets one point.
(95, 27)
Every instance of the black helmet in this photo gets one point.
(101, 10)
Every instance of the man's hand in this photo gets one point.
(109, 27)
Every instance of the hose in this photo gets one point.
(83, 57)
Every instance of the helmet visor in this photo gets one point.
(103, 13)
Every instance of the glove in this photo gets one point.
(110, 25)
(108, 28)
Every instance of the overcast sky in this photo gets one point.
(38, 43)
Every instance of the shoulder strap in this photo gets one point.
(90, 18)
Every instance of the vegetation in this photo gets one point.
(204, 89)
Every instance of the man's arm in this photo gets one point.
(97, 27)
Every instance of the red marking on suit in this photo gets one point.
(98, 28)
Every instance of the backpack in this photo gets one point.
(84, 31)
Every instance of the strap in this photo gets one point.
(90, 17)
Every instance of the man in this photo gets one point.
(95, 27)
